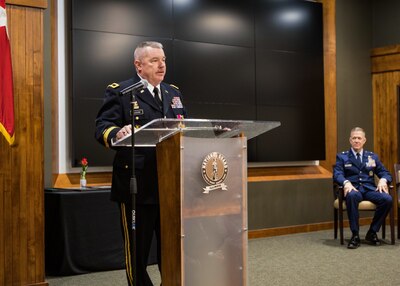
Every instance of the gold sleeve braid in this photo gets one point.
(105, 135)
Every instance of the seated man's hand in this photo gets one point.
(348, 187)
(382, 186)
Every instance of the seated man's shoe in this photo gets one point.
(372, 238)
(354, 242)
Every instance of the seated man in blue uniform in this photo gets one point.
(355, 170)
(158, 100)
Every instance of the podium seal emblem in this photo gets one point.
(214, 170)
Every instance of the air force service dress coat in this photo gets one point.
(361, 175)
(113, 115)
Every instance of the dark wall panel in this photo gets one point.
(85, 143)
(151, 18)
(297, 139)
(289, 25)
(254, 60)
(228, 22)
(221, 111)
(99, 58)
(289, 78)
(215, 73)
(385, 22)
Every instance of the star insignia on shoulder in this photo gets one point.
(113, 85)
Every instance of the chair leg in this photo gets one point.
(341, 227)
(398, 223)
(335, 222)
(384, 229)
(391, 219)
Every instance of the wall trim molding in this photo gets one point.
(71, 180)
(385, 59)
(28, 3)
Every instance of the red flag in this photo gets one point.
(6, 80)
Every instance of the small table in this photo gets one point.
(82, 232)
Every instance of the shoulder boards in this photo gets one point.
(174, 86)
(113, 85)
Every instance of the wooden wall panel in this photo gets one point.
(385, 110)
(329, 13)
(21, 165)
(54, 91)
(385, 82)
(385, 62)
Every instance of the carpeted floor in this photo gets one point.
(313, 258)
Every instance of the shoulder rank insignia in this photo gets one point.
(113, 85)
(174, 86)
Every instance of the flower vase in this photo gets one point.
(82, 183)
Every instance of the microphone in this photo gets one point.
(135, 87)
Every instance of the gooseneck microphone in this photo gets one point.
(134, 87)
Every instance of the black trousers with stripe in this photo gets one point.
(147, 223)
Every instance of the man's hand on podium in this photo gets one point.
(126, 130)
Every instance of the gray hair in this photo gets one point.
(140, 49)
(355, 129)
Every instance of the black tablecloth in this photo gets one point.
(82, 232)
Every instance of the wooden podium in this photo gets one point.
(202, 176)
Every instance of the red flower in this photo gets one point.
(85, 165)
(84, 162)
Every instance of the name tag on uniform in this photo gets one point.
(136, 112)
(176, 102)
(348, 165)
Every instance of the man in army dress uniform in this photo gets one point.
(355, 170)
(114, 121)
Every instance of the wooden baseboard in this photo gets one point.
(276, 231)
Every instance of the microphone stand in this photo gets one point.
(133, 183)
(133, 192)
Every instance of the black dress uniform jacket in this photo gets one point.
(113, 115)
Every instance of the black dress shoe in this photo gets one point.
(354, 242)
(372, 238)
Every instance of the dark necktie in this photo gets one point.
(359, 158)
(157, 98)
